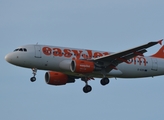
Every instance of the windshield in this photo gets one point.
(21, 49)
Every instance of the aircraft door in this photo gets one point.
(37, 51)
(154, 64)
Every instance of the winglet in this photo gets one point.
(160, 41)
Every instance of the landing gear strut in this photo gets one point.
(33, 79)
(104, 81)
(87, 88)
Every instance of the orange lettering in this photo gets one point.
(67, 53)
(97, 54)
(89, 53)
(85, 56)
(57, 52)
(139, 60)
(46, 50)
(106, 53)
(89, 56)
(77, 53)
(130, 61)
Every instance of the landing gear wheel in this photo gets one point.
(33, 79)
(104, 81)
(87, 89)
(34, 70)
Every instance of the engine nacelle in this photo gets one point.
(82, 66)
(58, 78)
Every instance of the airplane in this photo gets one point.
(64, 64)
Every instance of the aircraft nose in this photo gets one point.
(8, 58)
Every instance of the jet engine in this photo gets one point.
(58, 78)
(82, 66)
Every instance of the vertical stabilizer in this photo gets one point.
(160, 53)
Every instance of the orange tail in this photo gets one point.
(160, 53)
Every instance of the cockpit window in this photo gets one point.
(16, 50)
(25, 49)
(21, 49)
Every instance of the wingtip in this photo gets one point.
(160, 41)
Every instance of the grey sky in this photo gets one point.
(113, 25)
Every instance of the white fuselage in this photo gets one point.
(53, 58)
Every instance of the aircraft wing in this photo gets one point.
(114, 59)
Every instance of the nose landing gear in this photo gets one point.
(33, 79)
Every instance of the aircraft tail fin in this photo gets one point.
(160, 53)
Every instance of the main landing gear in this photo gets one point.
(104, 81)
(33, 79)
(87, 88)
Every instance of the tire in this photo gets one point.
(104, 81)
(87, 89)
(33, 79)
